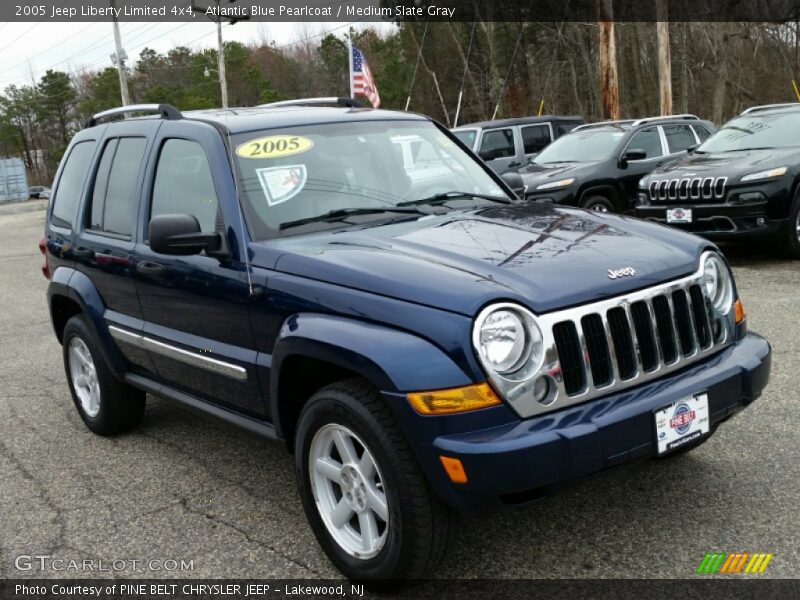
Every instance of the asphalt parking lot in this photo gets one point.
(184, 488)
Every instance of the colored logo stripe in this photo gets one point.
(724, 563)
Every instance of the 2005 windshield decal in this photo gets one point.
(274, 146)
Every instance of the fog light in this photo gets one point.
(761, 221)
(541, 390)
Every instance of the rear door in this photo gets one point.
(106, 226)
(196, 308)
(535, 138)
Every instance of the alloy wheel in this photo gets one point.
(84, 377)
(349, 491)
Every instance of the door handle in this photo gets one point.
(150, 269)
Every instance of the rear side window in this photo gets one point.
(467, 136)
(566, 127)
(115, 198)
(70, 184)
(497, 144)
(184, 184)
(647, 140)
(679, 137)
(535, 138)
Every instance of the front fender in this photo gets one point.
(393, 360)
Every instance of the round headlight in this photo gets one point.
(503, 340)
(508, 340)
(718, 284)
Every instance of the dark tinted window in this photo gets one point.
(535, 138)
(115, 211)
(647, 140)
(184, 185)
(566, 127)
(679, 137)
(498, 143)
(70, 184)
(702, 132)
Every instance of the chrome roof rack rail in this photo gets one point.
(753, 109)
(166, 111)
(323, 101)
(665, 118)
(601, 124)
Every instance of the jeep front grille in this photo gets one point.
(609, 345)
(705, 189)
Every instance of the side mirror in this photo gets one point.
(635, 154)
(691, 149)
(181, 235)
(515, 182)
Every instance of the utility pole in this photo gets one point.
(121, 56)
(223, 82)
(218, 18)
(607, 59)
(664, 62)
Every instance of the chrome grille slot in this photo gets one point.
(620, 333)
(569, 348)
(597, 350)
(666, 329)
(645, 336)
(701, 316)
(683, 322)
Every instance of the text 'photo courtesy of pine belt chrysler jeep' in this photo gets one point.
(740, 184)
(598, 166)
(418, 337)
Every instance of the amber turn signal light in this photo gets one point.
(738, 311)
(453, 400)
(454, 469)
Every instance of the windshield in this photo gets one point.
(582, 146)
(755, 131)
(466, 135)
(301, 173)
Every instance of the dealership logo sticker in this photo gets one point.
(736, 563)
(624, 272)
(682, 419)
(282, 183)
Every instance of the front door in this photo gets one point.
(196, 308)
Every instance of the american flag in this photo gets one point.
(361, 81)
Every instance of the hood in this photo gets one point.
(543, 256)
(536, 173)
(728, 164)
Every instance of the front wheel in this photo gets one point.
(598, 203)
(365, 497)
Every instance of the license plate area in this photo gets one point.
(681, 422)
(679, 215)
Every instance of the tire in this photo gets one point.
(412, 540)
(106, 405)
(598, 203)
(791, 243)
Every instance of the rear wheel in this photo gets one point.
(106, 405)
(365, 497)
(792, 233)
(598, 203)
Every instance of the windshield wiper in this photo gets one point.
(744, 129)
(443, 197)
(342, 213)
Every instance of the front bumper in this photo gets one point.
(720, 221)
(515, 463)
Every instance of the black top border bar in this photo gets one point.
(400, 10)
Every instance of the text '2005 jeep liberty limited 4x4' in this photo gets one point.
(356, 283)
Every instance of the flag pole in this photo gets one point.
(350, 54)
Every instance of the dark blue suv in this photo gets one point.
(357, 284)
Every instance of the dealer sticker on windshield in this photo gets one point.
(274, 146)
(282, 183)
(682, 422)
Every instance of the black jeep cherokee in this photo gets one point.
(740, 184)
(355, 283)
(598, 166)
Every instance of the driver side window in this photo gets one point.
(184, 185)
(648, 140)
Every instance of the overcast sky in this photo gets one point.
(29, 49)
